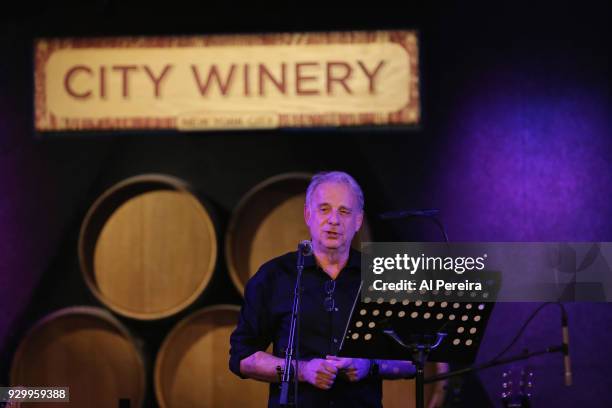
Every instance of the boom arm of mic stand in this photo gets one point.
(427, 213)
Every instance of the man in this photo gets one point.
(333, 212)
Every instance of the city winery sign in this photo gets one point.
(227, 82)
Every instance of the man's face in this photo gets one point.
(333, 216)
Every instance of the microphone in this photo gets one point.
(567, 365)
(305, 248)
(423, 212)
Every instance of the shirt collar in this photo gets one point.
(354, 261)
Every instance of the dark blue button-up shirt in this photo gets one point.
(266, 318)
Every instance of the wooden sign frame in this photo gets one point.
(264, 81)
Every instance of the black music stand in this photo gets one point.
(423, 330)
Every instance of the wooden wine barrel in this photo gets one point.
(147, 247)
(402, 393)
(191, 369)
(86, 349)
(269, 222)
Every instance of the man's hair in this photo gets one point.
(334, 177)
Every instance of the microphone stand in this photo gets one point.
(562, 348)
(420, 348)
(500, 361)
(292, 351)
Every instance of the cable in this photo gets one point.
(522, 329)
(497, 361)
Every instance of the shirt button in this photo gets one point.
(335, 340)
(336, 309)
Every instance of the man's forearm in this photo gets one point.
(394, 369)
(262, 366)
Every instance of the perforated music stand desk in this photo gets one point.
(424, 330)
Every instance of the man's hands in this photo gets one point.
(318, 372)
(352, 369)
(322, 373)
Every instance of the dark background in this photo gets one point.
(515, 145)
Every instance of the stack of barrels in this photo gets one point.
(147, 250)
